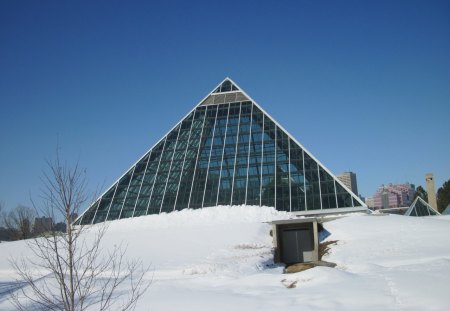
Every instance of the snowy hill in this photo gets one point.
(220, 258)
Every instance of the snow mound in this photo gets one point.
(211, 216)
(221, 258)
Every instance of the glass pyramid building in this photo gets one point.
(226, 151)
(420, 208)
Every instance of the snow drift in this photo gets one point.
(221, 258)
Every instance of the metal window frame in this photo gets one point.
(184, 159)
(170, 169)
(248, 154)
(289, 171)
(209, 157)
(198, 154)
(126, 193)
(275, 167)
(142, 181)
(262, 160)
(304, 180)
(235, 153)
(335, 193)
(223, 152)
(156, 174)
(112, 198)
(95, 212)
(320, 187)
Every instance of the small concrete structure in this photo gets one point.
(296, 240)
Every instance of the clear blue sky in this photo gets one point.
(363, 85)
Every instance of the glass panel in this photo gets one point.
(133, 190)
(176, 166)
(199, 180)
(226, 86)
(355, 202)
(255, 159)
(241, 163)
(297, 178)
(119, 196)
(184, 141)
(157, 193)
(344, 198)
(190, 157)
(311, 183)
(229, 154)
(89, 214)
(421, 209)
(268, 167)
(171, 181)
(104, 205)
(282, 171)
(432, 211)
(148, 180)
(212, 183)
(327, 189)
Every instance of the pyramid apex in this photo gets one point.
(227, 85)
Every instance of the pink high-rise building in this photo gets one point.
(388, 196)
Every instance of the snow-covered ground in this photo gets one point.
(221, 259)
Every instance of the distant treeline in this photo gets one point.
(22, 223)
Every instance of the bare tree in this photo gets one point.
(20, 220)
(70, 271)
(6, 234)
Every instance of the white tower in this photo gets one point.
(430, 189)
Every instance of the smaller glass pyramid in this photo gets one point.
(447, 210)
(420, 208)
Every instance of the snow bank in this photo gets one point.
(210, 216)
(221, 258)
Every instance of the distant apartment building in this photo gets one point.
(42, 224)
(349, 180)
(389, 196)
(369, 202)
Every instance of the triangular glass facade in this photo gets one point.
(447, 210)
(420, 208)
(227, 151)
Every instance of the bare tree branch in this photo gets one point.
(20, 220)
(71, 272)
